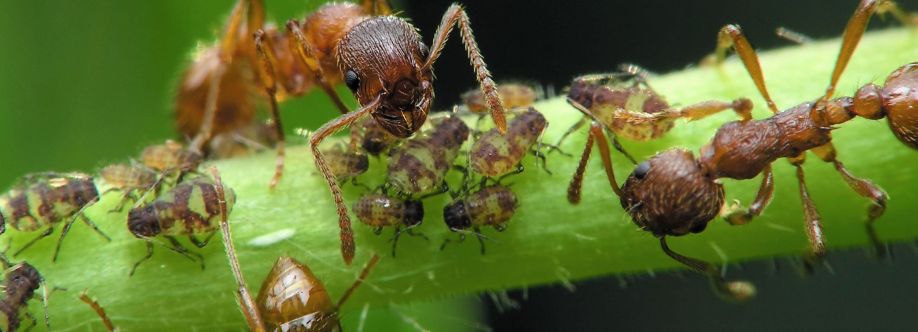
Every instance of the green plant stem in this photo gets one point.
(548, 241)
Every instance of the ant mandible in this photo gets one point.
(673, 193)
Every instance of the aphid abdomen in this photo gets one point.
(17, 210)
(417, 168)
(491, 206)
(191, 208)
(379, 210)
(48, 201)
(494, 154)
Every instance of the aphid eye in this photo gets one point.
(641, 170)
(351, 79)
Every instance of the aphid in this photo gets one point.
(494, 155)
(291, 297)
(20, 282)
(674, 193)
(379, 210)
(130, 180)
(171, 158)
(372, 137)
(489, 206)
(418, 166)
(512, 95)
(40, 201)
(346, 164)
(190, 209)
(95, 306)
(632, 110)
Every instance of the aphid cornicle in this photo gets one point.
(419, 165)
(494, 154)
(489, 206)
(42, 200)
(378, 210)
(291, 298)
(674, 193)
(190, 209)
(20, 282)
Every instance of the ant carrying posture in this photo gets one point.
(380, 58)
(673, 193)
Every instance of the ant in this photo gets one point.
(625, 105)
(41, 200)
(20, 282)
(190, 208)
(379, 210)
(419, 165)
(95, 306)
(291, 298)
(673, 193)
(494, 155)
(380, 57)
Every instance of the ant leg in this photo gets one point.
(376, 7)
(793, 36)
(201, 243)
(455, 15)
(576, 185)
(890, 7)
(31, 242)
(742, 107)
(731, 36)
(174, 245)
(145, 258)
(268, 78)
(363, 275)
(249, 309)
(598, 135)
(344, 221)
(736, 215)
(480, 238)
(256, 14)
(573, 128)
(862, 187)
(95, 306)
(733, 290)
(307, 56)
(812, 223)
(854, 30)
(224, 56)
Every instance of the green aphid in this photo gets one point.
(190, 209)
(41, 200)
(419, 166)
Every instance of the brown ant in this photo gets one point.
(20, 282)
(41, 200)
(291, 298)
(190, 208)
(673, 193)
(95, 306)
(629, 109)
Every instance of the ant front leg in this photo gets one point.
(732, 290)
(736, 215)
(576, 185)
(307, 56)
(813, 221)
(455, 15)
(344, 221)
(731, 36)
(269, 80)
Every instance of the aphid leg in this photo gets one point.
(344, 221)
(306, 55)
(589, 116)
(572, 129)
(249, 309)
(739, 290)
(736, 215)
(598, 135)
(731, 36)
(890, 7)
(226, 50)
(618, 147)
(95, 306)
(576, 185)
(411, 232)
(31, 318)
(862, 187)
(448, 240)
(638, 74)
(812, 223)
(143, 259)
(174, 245)
(742, 107)
(66, 229)
(480, 238)
(363, 275)
(377, 230)
(394, 240)
(201, 243)
(31, 242)
(44, 302)
(455, 15)
(854, 30)
(268, 79)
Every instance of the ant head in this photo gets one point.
(143, 222)
(900, 101)
(456, 217)
(384, 58)
(414, 213)
(671, 194)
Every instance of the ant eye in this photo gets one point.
(351, 79)
(641, 170)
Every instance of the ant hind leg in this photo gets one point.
(813, 221)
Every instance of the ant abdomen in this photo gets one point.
(900, 102)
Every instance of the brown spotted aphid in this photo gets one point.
(20, 282)
(134, 181)
(95, 306)
(171, 158)
(190, 209)
(631, 109)
(345, 163)
(291, 298)
(371, 137)
(379, 210)
(489, 206)
(674, 193)
(42, 200)
(494, 154)
(419, 165)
